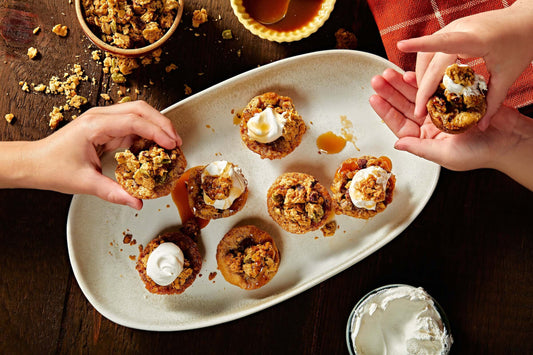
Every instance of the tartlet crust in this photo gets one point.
(293, 130)
(151, 188)
(299, 203)
(247, 257)
(456, 113)
(341, 183)
(196, 198)
(191, 267)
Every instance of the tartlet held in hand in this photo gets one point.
(271, 127)
(299, 203)
(363, 187)
(459, 102)
(148, 171)
(216, 190)
(248, 257)
(169, 263)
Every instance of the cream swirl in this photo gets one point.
(225, 170)
(165, 263)
(358, 198)
(266, 126)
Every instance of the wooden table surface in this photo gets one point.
(471, 247)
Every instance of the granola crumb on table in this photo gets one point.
(32, 53)
(199, 17)
(60, 30)
(9, 117)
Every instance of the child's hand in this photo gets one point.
(506, 145)
(68, 160)
(501, 37)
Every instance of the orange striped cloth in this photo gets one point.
(402, 19)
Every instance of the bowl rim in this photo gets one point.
(264, 32)
(126, 52)
(362, 300)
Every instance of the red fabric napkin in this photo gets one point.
(402, 19)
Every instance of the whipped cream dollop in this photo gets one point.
(165, 263)
(224, 169)
(399, 320)
(266, 126)
(477, 88)
(358, 198)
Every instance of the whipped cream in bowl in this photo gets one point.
(398, 319)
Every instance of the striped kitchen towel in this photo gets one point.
(402, 19)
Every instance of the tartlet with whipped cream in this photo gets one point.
(270, 126)
(216, 190)
(299, 203)
(170, 263)
(459, 102)
(146, 170)
(247, 257)
(363, 187)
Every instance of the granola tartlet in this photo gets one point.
(216, 190)
(189, 258)
(270, 126)
(148, 171)
(366, 180)
(459, 102)
(247, 257)
(299, 203)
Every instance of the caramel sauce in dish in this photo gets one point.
(181, 200)
(330, 143)
(299, 12)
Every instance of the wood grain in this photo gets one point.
(471, 247)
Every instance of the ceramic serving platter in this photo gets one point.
(330, 90)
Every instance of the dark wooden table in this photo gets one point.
(471, 247)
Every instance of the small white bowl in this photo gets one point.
(362, 301)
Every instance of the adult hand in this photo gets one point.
(68, 160)
(501, 37)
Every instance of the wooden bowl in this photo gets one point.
(126, 52)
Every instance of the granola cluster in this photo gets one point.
(253, 260)
(56, 86)
(147, 170)
(247, 257)
(455, 112)
(299, 203)
(369, 188)
(131, 23)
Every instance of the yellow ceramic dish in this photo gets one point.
(264, 32)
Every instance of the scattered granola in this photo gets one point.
(345, 39)
(188, 89)
(10, 117)
(55, 117)
(171, 67)
(226, 34)
(36, 30)
(60, 30)
(130, 24)
(32, 52)
(105, 97)
(199, 17)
